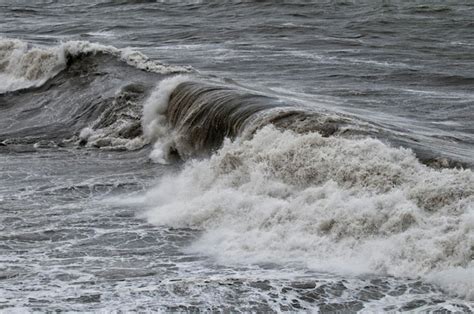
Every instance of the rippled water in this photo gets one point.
(89, 222)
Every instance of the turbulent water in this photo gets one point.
(241, 156)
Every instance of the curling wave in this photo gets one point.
(93, 95)
(189, 118)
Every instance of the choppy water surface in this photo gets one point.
(248, 156)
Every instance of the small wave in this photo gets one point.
(118, 126)
(430, 9)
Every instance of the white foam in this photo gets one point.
(128, 55)
(154, 125)
(455, 279)
(110, 137)
(23, 67)
(333, 204)
(108, 34)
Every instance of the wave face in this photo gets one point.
(328, 203)
(188, 117)
(204, 115)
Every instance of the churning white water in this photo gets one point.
(333, 204)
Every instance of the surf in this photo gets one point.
(263, 178)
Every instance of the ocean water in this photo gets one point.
(239, 156)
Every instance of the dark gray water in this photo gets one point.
(334, 209)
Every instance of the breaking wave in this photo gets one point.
(285, 184)
(93, 95)
(22, 67)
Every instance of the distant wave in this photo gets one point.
(23, 66)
